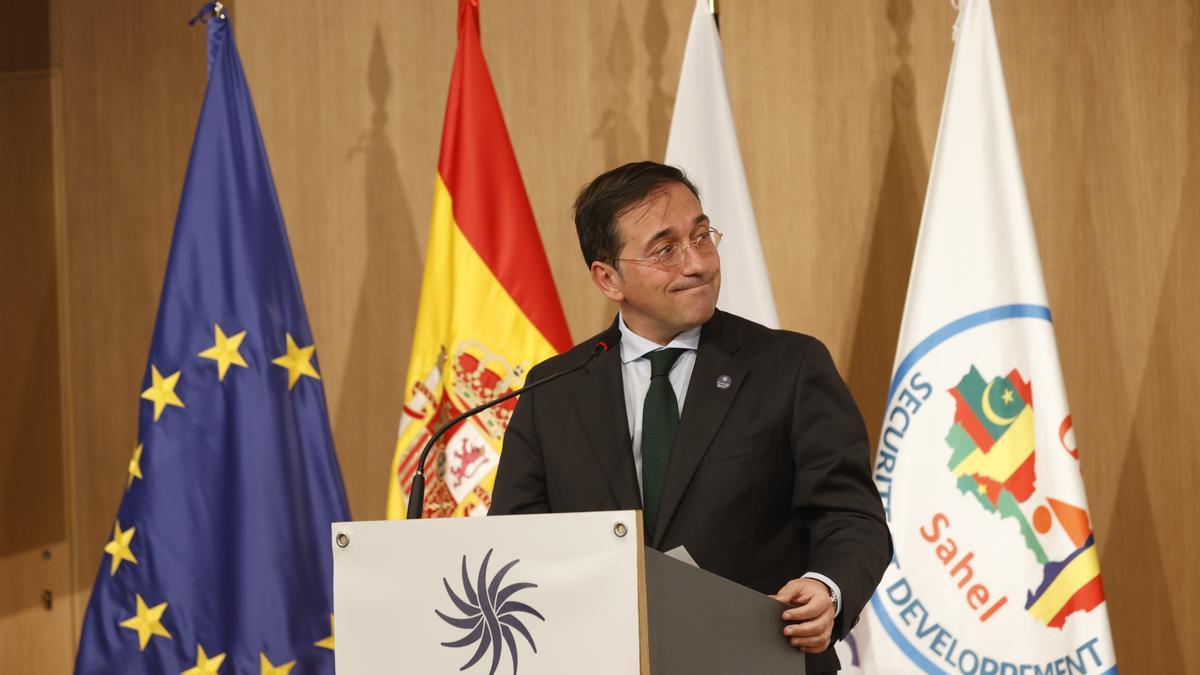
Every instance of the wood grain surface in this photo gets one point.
(837, 106)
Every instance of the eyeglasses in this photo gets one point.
(670, 254)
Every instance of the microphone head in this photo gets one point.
(605, 343)
(607, 340)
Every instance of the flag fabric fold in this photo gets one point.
(219, 556)
(489, 310)
(995, 568)
(703, 142)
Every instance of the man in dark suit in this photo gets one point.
(739, 442)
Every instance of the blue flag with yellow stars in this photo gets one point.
(219, 558)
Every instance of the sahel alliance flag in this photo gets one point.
(995, 568)
(489, 310)
(220, 557)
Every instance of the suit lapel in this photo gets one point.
(600, 406)
(704, 410)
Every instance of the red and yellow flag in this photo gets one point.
(489, 310)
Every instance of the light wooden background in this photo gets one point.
(837, 106)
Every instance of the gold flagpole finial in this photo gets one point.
(209, 11)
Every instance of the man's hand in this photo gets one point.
(810, 621)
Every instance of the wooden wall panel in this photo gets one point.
(31, 476)
(133, 78)
(836, 139)
(615, 85)
(353, 130)
(352, 127)
(33, 521)
(1102, 102)
(837, 106)
(25, 36)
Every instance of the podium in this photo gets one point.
(554, 593)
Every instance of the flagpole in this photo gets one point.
(716, 13)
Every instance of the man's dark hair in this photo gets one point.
(601, 202)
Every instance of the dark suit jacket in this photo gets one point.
(769, 478)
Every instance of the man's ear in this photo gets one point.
(608, 279)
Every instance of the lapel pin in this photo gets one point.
(724, 381)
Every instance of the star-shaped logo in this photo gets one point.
(162, 391)
(119, 549)
(298, 361)
(147, 622)
(225, 351)
(489, 614)
(205, 665)
(266, 668)
(135, 465)
(326, 643)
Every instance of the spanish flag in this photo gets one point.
(488, 311)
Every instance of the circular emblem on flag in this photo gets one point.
(489, 614)
(995, 567)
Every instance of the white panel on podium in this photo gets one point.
(394, 580)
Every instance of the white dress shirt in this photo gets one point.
(635, 375)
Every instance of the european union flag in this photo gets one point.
(219, 556)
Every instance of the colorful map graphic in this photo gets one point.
(993, 458)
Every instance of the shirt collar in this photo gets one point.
(634, 346)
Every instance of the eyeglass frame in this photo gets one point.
(692, 242)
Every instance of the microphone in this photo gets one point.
(416, 498)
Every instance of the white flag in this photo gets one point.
(996, 569)
(703, 142)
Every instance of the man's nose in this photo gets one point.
(697, 263)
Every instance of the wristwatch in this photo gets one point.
(833, 595)
(834, 592)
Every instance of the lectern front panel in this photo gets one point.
(533, 594)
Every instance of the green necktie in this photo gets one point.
(660, 419)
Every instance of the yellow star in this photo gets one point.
(1007, 396)
(982, 489)
(119, 549)
(327, 643)
(162, 391)
(135, 465)
(205, 665)
(225, 351)
(297, 360)
(147, 622)
(265, 667)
